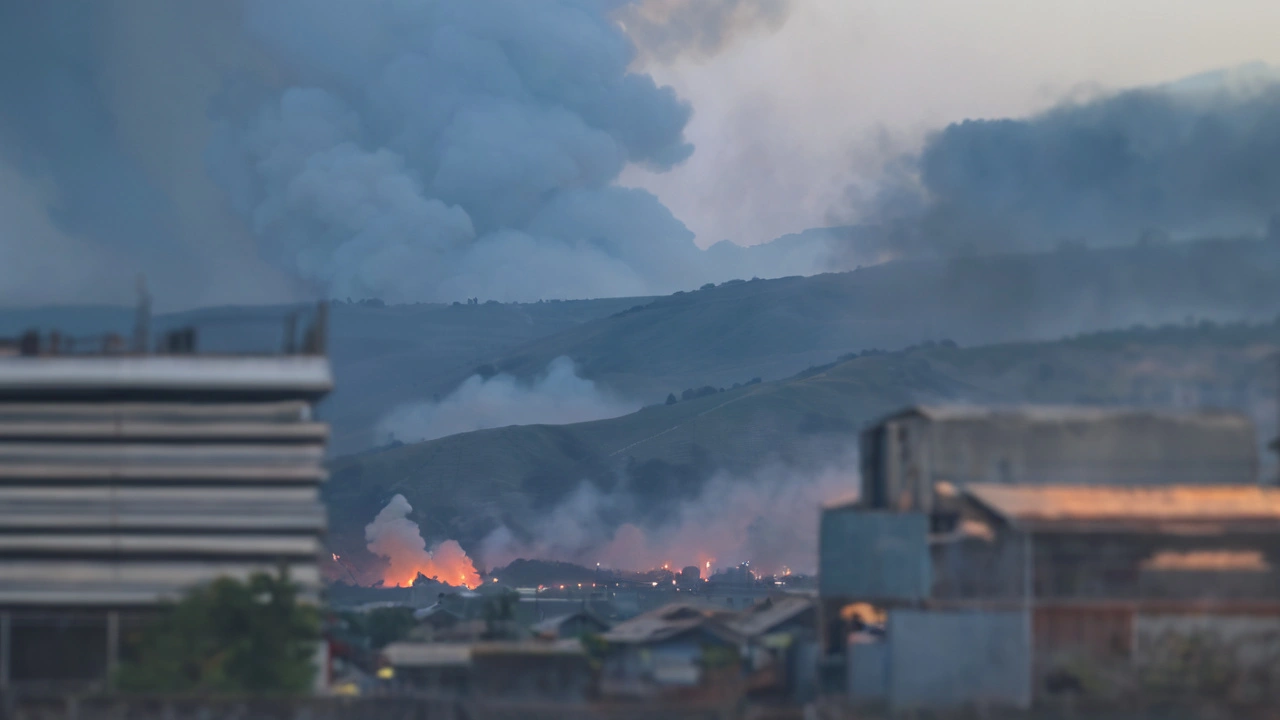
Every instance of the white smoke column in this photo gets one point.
(558, 397)
(393, 536)
(769, 518)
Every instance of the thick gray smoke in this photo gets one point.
(558, 397)
(1192, 158)
(668, 29)
(415, 150)
(769, 518)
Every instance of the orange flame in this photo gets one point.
(447, 563)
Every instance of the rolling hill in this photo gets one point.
(462, 486)
(774, 328)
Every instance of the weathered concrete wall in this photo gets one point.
(873, 555)
(1058, 446)
(958, 659)
(1234, 657)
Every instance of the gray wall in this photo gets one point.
(873, 555)
(1058, 446)
(950, 659)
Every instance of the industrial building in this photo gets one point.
(907, 455)
(1077, 573)
(129, 475)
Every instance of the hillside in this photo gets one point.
(460, 486)
(775, 328)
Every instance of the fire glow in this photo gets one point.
(395, 538)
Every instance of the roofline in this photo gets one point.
(925, 410)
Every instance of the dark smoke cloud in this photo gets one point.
(416, 150)
(1197, 157)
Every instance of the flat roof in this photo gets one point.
(1170, 508)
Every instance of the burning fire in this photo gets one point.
(393, 536)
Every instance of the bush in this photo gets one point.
(229, 637)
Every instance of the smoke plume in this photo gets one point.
(1197, 157)
(395, 538)
(558, 397)
(769, 518)
(263, 150)
(668, 29)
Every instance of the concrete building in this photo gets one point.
(1102, 591)
(909, 455)
(1065, 551)
(127, 477)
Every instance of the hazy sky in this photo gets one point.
(786, 123)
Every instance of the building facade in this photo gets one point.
(128, 477)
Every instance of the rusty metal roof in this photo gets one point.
(1172, 509)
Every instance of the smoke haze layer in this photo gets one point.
(557, 397)
(769, 518)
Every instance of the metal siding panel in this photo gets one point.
(874, 555)
(868, 672)
(954, 659)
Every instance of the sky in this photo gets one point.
(792, 125)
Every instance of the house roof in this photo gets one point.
(1169, 508)
(769, 613)
(665, 623)
(552, 624)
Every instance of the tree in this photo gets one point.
(671, 399)
(229, 636)
(384, 626)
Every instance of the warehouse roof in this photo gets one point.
(1060, 508)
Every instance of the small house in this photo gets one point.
(672, 650)
(571, 626)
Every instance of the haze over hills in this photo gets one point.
(642, 467)
(774, 328)
(637, 350)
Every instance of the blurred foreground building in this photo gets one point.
(1105, 553)
(129, 475)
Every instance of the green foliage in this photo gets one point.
(227, 637)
